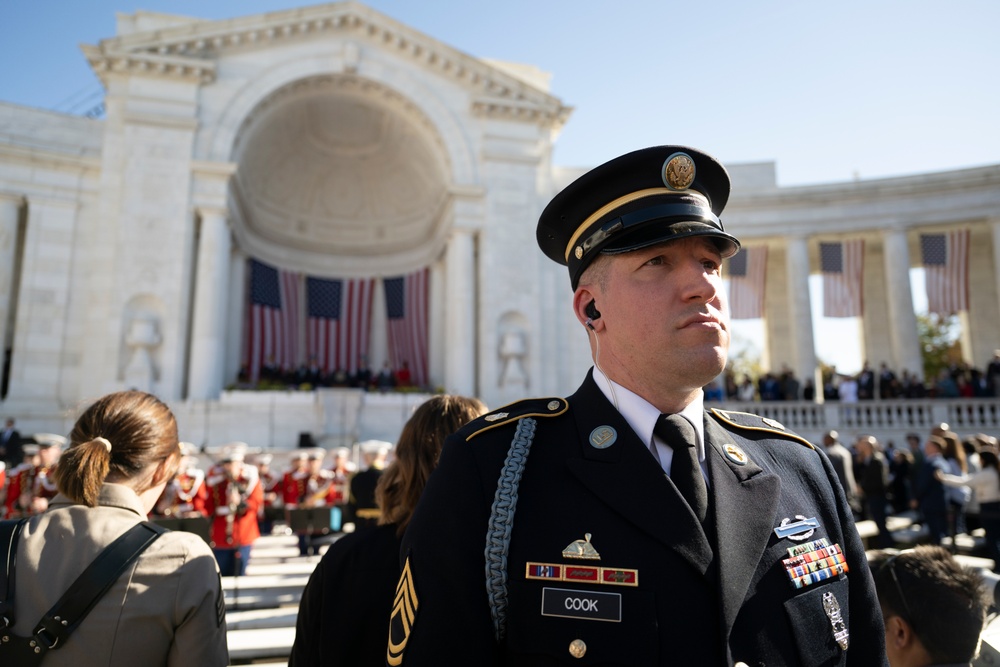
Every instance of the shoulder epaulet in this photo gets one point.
(746, 421)
(531, 407)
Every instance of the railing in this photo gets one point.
(883, 419)
(343, 416)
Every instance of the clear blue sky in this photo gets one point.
(829, 91)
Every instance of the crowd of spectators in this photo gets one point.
(310, 376)
(959, 380)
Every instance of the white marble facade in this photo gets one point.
(338, 142)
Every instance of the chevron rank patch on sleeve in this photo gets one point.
(404, 613)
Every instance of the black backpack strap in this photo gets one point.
(74, 605)
(10, 531)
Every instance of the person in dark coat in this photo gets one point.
(874, 484)
(344, 610)
(843, 463)
(10, 444)
(626, 524)
(929, 493)
(361, 505)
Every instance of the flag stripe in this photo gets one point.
(272, 326)
(842, 265)
(946, 267)
(407, 321)
(339, 322)
(747, 272)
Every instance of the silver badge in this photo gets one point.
(772, 423)
(799, 530)
(832, 608)
(581, 549)
(494, 417)
(603, 437)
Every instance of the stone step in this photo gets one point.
(263, 591)
(260, 643)
(251, 619)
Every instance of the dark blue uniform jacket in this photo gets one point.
(662, 591)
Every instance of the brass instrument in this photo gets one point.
(234, 489)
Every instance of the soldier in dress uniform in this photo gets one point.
(362, 501)
(626, 524)
(234, 496)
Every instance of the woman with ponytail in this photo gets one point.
(167, 607)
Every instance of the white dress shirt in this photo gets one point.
(641, 415)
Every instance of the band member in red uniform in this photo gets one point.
(311, 486)
(234, 497)
(33, 484)
(342, 470)
(187, 494)
(272, 483)
(18, 477)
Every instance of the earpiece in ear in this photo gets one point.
(590, 323)
(591, 311)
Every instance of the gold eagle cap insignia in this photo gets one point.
(678, 172)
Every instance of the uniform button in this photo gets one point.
(577, 648)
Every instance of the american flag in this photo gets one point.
(946, 269)
(339, 316)
(406, 299)
(842, 264)
(273, 327)
(746, 283)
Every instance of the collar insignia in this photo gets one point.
(603, 437)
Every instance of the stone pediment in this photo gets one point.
(191, 49)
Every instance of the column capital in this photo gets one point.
(11, 198)
(216, 212)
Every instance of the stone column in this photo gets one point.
(10, 206)
(460, 327)
(901, 319)
(995, 229)
(800, 312)
(236, 315)
(208, 326)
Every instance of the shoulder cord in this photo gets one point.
(502, 522)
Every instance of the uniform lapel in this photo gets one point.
(626, 477)
(745, 499)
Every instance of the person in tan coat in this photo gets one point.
(167, 607)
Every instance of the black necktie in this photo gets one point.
(685, 470)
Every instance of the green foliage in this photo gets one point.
(744, 360)
(826, 371)
(939, 344)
